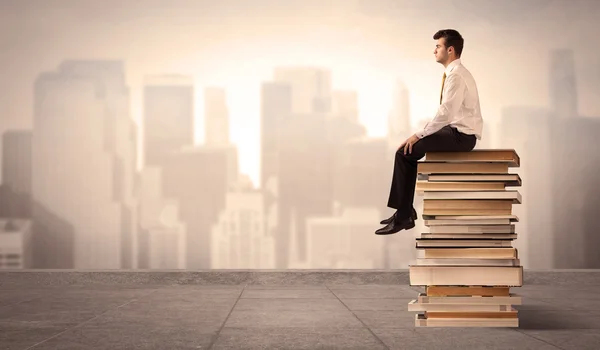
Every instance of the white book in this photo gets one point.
(515, 196)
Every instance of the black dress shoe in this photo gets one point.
(388, 220)
(395, 226)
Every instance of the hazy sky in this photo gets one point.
(367, 44)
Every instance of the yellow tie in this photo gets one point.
(442, 92)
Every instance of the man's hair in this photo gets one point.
(452, 38)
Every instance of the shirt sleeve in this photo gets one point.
(451, 102)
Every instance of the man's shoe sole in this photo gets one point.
(388, 220)
(398, 229)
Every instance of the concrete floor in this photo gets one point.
(300, 316)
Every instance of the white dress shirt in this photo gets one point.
(460, 104)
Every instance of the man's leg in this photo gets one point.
(404, 177)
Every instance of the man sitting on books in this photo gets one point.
(456, 127)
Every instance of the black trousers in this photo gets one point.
(402, 193)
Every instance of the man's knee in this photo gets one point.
(413, 156)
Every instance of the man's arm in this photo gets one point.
(453, 99)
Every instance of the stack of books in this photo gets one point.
(466, 261)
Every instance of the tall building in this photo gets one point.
(399, 125)
(527, 130)
(311, 88)
(163, 234)
(83, 168)
(15, 192)
(574, 169)
(168, 116)
(16, 160)
(340, 242)
(563, 84)
(197, 179)
(216, 116)
(575, 184)
(15, 244)
(166, 241)
(239, 237)
(345, 105)
(276, 106)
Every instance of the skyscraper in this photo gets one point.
(168, 116)
(15, 192)
(563, 85)
(345, 105)
(216, 116)
(311, 88)
(276, 105)
(16, 160)
(83, 164)
(399, 128)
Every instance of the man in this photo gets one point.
(456, 127)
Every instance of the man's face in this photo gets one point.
(440, 52)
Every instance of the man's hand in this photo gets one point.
(409, 143)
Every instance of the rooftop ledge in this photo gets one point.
(48, 278)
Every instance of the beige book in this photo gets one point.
(513, 180)
(414, 305)
(462, 243)
(467, 291)
(466, 275)
(422, 321)
(508, 156)
(461, 168)
(422, 186)
(497, 204)
(511, 299)
(472, 229)
(467, 262)
(466, 207)
(512, 313)
(513, 196)
(428, 235)
(470, 253)
(432, 221)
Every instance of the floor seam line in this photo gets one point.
(216, 337)
(536, 338)
(359, 320)
(88, 320)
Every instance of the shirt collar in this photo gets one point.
(452, 65)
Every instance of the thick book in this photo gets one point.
(466, 275)
(508, 156)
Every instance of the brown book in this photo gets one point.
(422, 321)
(508, 156)
(512, 313)
(466, 275)
(459, 186)
(469, 220)
(469, 236)
(462, 243)
(471, 253)
(467, 291)
(514, 196)
(507, 179)
(510, 299)
(414, 305)
(472, 229)
(461, 168)
(466, 207)
(467, 262)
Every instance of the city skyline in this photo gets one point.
(367, 47)
(269, 143)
